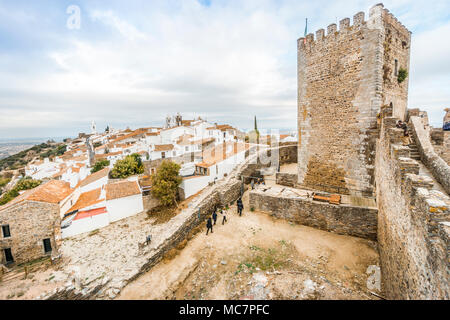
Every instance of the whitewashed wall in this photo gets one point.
(194, 185)
(86, 225)
(124, 207)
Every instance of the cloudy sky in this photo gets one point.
(133, 62)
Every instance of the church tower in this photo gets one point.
(93, 127)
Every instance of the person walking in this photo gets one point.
(209, 226)
(224, 214)
(252, 183)
(214, 216)
(240, 206)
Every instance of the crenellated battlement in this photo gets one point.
(390, 17)
(377, 14)
(332, 30)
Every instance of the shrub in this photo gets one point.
(127, 167)
(402, 75)
(99, 165)
(4, 181)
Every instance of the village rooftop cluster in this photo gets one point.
(72, 200)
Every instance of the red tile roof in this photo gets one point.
(87, 199)
(218, 153)
(131, 135)
(163, 147)
(122, 189)
(89, 213)
(94, 177)
(53, 191)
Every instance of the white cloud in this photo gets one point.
(229, 61)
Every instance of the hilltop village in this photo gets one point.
(356, 206)
(76, 197)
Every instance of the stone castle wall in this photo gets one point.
(430, 158)
(413, 222)
(343, 82)
(396, 46)
(30, 223)
(340, 219)
(288, 153)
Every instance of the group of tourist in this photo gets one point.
(259, 181)
(213, 219)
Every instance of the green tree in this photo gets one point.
(165, 183)
(129, 166)
(253, 136)
(99, 165)
(4, 181)
(27, 184)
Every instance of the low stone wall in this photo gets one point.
(71, 292)
(443, 150)
(437, 165)
(340, 219)
(413, 222)
(150, 202)
(287, 179)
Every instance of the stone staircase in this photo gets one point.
(414, 153)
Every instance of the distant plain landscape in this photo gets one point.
(9, 147)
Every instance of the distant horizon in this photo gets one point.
(4, 140)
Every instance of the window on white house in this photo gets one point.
(174, 153)
(163, 155)
(6, 231)
(186, 148)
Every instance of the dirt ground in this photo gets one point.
(26, 289)
(258, 257)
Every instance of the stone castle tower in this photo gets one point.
(344, 79)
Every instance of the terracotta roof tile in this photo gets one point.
(163, 147)
(130, 135)
(216, 154)
(94, 177)
(53, 191)
(122, 189)
(87, 199)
